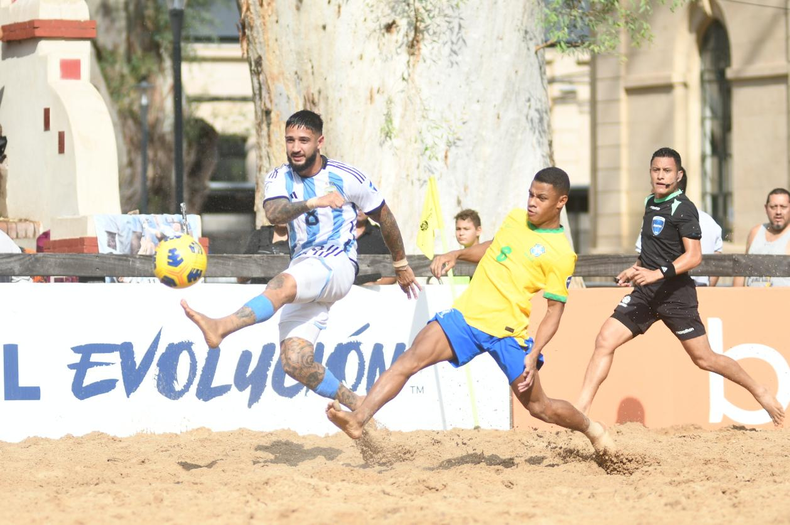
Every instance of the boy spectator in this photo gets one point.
(467, 228)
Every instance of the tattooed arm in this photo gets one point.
(390, 232)
(281, 210)
(392, 238)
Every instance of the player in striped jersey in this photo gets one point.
(318, 198)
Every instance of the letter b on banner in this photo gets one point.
(719, 406)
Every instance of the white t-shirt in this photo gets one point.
(328, 232)
(711, 241)
(7, 245)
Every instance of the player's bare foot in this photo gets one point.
(207, 325)
(772, 406)
(343, 420)
(599, 437)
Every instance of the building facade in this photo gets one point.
(568, 78)
(713, 85)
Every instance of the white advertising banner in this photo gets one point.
(79, 358)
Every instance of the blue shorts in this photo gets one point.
(468, 342)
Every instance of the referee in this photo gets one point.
(664, 290)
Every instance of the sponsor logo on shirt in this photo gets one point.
(658, 225)
(503, 253)
(656, 208)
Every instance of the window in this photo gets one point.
(578, 209)
(231, 165)
(230, 191)
(216, 24)
(717, 127)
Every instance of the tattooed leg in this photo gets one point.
(297, 357)
(347, 398)
(280, 290)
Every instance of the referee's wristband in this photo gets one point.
(668, 271)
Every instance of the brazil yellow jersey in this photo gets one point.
(521, 261)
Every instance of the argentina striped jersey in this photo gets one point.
(323, 231)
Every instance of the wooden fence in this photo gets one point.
(252, 266)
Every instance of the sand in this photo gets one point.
(676, 475)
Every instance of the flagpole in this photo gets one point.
(434, 192)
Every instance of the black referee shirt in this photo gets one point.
(665, 224)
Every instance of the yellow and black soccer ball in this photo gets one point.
(180, 261)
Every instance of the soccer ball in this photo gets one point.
(179, 261)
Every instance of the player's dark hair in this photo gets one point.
(306, 119)
(556, 177)
(667, 153)
(684, 180)
(777, 191)
(469, 215)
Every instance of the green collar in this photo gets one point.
(671, 196)
(544, 230)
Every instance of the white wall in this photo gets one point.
(136, 331)
(42, 183)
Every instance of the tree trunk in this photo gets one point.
(408, 89)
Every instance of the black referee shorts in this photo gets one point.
(673, 301)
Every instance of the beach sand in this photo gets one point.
(674, 475)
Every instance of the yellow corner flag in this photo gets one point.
(430, 220)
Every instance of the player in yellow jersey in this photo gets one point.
(528, 254)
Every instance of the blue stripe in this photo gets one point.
(337, 215)
(328, 277)
(356, 174)
(289, 187)
(312, 230)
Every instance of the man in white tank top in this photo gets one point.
(772, 238)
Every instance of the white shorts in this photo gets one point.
(320, 282)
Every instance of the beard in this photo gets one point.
(307, 164)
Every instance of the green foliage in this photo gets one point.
(597, 26)
(437, 136)
(388, 127)
(150, 45)
(122, 75)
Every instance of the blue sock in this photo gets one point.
(329, 385)
(262, 307)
